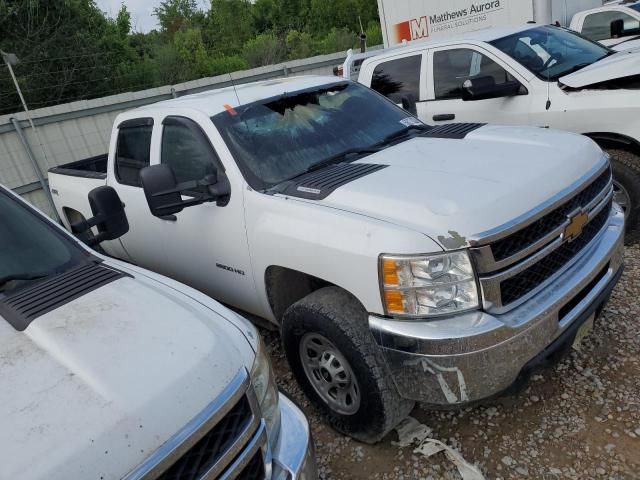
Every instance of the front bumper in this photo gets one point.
(476, 355)
(294, 454)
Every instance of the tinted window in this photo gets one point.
(132, 153)
(398, 78)
(551, 52)
(186, 149)
(29, 247)
(277, 139)
(452, 67)
(597, 26)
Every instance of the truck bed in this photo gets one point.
(93, 167)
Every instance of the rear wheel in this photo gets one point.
(626, 189)
(339, 366)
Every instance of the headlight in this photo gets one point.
(422, 286)
(264, 385)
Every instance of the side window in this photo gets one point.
(452, 67)
(133, 150)
(597, 26)
(186, 149)
(398, 78)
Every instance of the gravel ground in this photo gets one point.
(579, 419)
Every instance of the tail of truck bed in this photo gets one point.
(71, 183)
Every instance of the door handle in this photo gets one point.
(169, 218)
(444, 116)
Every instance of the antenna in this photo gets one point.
(235, 90)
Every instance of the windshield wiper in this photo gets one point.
(20, 276)
(573, 69)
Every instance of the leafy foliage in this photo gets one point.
(70, 50)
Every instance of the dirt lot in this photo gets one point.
(579, 419)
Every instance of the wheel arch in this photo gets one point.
(285, 286)
(615, 140)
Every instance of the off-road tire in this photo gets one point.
(626, 171)
(338, 316)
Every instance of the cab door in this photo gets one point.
(449, 67)
(204, 246)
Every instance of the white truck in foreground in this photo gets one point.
(543, 76)
(109, 371)
(400, 262)
(616, 25)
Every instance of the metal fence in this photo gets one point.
(81, 129)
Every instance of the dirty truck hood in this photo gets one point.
(619, 65)
(90, 389)
(445, 188)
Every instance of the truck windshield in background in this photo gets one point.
(280, 138)
(551, 52)
(29, 248)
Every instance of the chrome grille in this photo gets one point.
(222, 441)
(522, 239)
(519, 285)
(517, 264)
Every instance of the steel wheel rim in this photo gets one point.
(622, 198)
(330, 374)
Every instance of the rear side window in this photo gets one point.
(597, 26)
(399, 78)
(186, 149)
(133, 150)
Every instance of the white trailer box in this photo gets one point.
(421, 19)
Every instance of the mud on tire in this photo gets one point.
(626, 173)
(336, 316)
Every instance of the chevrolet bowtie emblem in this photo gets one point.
(576, 224)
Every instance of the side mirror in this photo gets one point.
(164, 194)
(617, 28)
(483, 88)
(409, 104)
(108, 215)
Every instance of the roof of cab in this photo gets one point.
(212, 102)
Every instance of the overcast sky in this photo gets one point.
(142, 19)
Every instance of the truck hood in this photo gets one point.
(619, 65)
(90, 389)
(453, 190)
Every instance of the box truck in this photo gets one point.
(408, 20)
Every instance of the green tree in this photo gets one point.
(264, 49)
(300, 45)
(173, 15)
(123, 21)
(230, 26)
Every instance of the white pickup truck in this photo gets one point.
(401, 262)
(109, 371)
(543, 76)
(615, 24)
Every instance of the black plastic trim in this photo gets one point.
(136, 122)
(23, 306)
(320, 184)
(452, 130)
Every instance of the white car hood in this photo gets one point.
(619, 65)
(90, 389)
(626, 44)
(453, 190)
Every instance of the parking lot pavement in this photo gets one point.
(579, 419)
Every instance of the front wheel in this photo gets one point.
(626, 189)
(339, 366)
